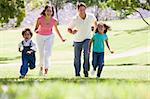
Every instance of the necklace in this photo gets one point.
(47, 20)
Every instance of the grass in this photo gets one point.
(132, 82)
(119, 80)
(125, 35)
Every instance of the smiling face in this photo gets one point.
(101, 28)
(27, 35)
(82, 10)
(48, 11)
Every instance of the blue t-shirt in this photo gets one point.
(98, 42)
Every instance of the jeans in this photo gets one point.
(98, 61)
(78, 47)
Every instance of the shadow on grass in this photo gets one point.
(132, 31)
(8, 58)
(68, 80)
(127, 64)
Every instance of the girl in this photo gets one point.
(45, 37)
(98, 47)
(28, 52)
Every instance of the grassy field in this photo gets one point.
(122, 78)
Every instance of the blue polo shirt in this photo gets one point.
(98, 42)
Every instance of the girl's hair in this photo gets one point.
(46, 7)
(105, 26)
(80, 4)
(25, 30)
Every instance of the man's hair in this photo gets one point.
(80, 4)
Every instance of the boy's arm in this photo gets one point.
(20, 46)
(106, 41)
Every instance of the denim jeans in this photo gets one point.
(98, 61)
(78, 47)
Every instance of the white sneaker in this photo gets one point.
(45, 75)
(93, 72)
(40, 73)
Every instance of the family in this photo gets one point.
(81, 27)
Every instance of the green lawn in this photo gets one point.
(125, 35)
(119, 80)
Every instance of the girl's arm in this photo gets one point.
(108, 46)
(90, 43)
(57, 31)
(37, 26)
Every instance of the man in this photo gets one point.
(80, 27)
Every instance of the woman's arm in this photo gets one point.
(57, 31)
(37, 26)
(106, 41)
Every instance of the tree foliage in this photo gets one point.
(10, 9)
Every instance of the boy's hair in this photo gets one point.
(81, 4)
(25, 30)
(106, 27)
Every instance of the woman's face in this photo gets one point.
(101, 28)
(82, 10)
(27, 35)
(48, 11)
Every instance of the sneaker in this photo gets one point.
(21, 77)
(45, 74)
(93, 72)
(40, 73)
(85, 73)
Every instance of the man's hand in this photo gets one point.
(74, 31)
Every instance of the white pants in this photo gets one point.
(45, 44)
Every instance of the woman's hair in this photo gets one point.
(105, 26)
(81, 4)
(46, 7)
(25, 30)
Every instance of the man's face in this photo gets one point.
(82, 10)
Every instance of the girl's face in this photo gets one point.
(27, 35)
(82, 10)
(48, 11)
(101, 28)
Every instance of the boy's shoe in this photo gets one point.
(21, 77)
(31, 67)
(93, 72)
(40, 73)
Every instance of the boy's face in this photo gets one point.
(27, 35)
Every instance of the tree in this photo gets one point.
(10, 9)
(127, 7)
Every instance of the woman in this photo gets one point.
(45, 37)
